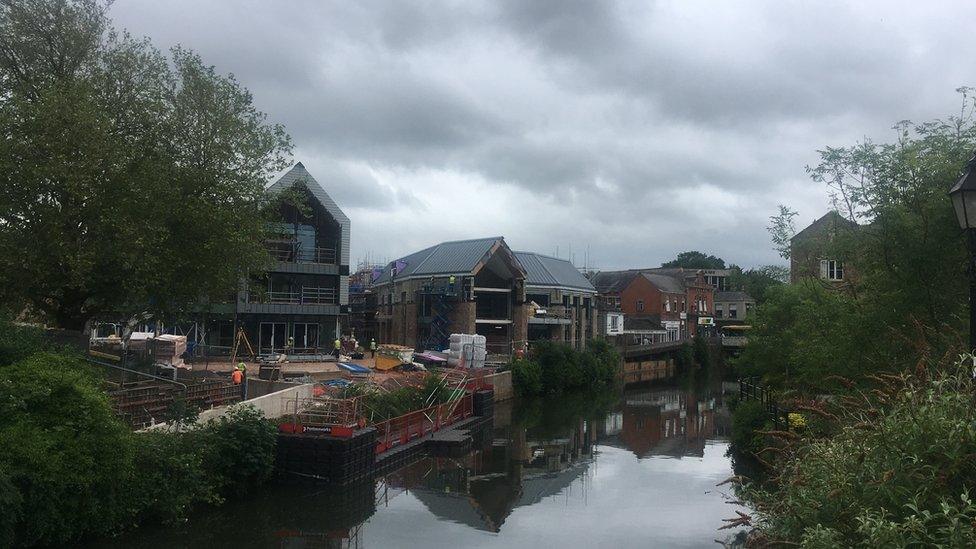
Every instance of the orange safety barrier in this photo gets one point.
(401, 430)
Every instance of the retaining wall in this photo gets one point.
(272, 405)
(502, 384)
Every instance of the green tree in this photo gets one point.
(695, 260)
(129, 181)
(782, 230)
(757, 282)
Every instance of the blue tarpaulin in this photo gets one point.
(354, 368)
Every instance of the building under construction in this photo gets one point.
(465, 286)
(481, 287)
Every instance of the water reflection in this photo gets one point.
(637, 470)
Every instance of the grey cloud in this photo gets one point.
(608, 114)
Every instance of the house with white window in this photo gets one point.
(817, 251)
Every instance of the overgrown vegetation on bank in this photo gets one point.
(880, 448)
(891, 466)
(551, 368)
(70, 469)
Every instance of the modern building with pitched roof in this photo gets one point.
(472, 286)
(561, 300)
(304, 296)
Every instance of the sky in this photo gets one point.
(615, 134)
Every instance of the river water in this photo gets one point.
(632, 470)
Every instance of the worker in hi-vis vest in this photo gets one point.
(338, 346)
(372, 347)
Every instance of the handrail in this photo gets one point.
(296, 254)
(304, 296)
(137, 372)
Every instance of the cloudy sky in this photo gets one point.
(622, 132)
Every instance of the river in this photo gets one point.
(633, 470)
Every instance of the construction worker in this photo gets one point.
(372, 348)
(241, 374)
(338, 346)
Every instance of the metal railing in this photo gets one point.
(304, 296)
(401, 430)
(751, 389)
(319, 255)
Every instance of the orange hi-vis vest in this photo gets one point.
(237, 377)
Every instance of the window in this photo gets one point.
(640, 305)
(667, 305)
(733, 311)
(614, 323)
(831, 269)
(718, 311)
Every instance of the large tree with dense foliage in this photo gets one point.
(905, 282)
(695, 260)
(130, 180)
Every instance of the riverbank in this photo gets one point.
(632, 469)
(886, 464)
(71, 469)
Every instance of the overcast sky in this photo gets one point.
(632, 130)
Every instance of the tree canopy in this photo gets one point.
(903, 304)
(695, 260)
(130, 180)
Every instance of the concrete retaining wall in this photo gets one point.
(502, 383)
(272, 405)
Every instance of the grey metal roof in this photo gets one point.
(547, 271)
(299, 173)
(454, 257)
(665, 283)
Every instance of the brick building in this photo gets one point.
(561, 300)
(465, 286)
(678, 299)
(817, 251)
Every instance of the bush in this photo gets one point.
(749, 417)
(898, 472)
(527, 377)
(69, 468)
(63, 449)
(555, 367)
(19, 342)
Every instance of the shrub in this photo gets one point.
(527, 377)
(898, 472)
(555, 367)
(64, 451)
(748, 417)
(69, 468)
(19, 342)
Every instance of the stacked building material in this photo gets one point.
(169, 349)
(467, 350)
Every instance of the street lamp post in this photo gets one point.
(963, 195)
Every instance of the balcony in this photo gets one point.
(303, 296)
(289, 252)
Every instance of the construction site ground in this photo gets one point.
(316, 370)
